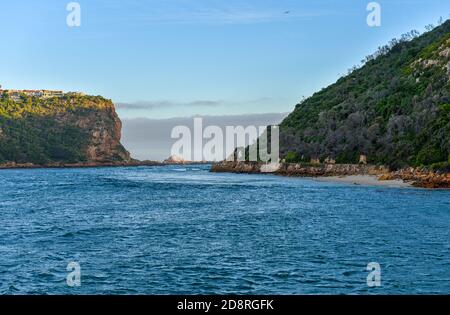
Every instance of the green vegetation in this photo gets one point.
(291, 157)
(394, 109)
(39, 131)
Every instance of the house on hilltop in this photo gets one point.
(16, 94)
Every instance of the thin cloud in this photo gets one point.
(156, 105)
(152, 105)
(222, 12)
(214, 17)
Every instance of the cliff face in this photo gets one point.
(70, 129)
(104, 129)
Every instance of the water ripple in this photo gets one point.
(184, 230)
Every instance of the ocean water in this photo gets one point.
(184, 230)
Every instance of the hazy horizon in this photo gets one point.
(149, 139)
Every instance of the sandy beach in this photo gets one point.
(367, 180)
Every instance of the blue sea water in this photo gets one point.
(184, 230)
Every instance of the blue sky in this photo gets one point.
(174, 58)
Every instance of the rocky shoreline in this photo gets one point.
(419, 178)
(416, 177)
(13, 165)
(133, 163)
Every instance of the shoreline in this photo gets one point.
(16, 166)
(361, 174)
(365, 180)
(12, 166)
(366, 175)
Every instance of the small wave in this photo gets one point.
(349, 273)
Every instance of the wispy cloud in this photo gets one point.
(230, 17)
(221, 12)
(200, 103)
(152, 105)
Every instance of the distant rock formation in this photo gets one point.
(175, 159)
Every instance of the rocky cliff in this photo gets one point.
(71, 129)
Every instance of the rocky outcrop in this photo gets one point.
(105, 130)
(420, 177)
(299, 169)
(175, 159)
(236, 167)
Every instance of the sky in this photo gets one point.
(161, 59)
(150, 138)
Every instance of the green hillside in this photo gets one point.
(68, 129)
(395, 109)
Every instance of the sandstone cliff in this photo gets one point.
(72, 129)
